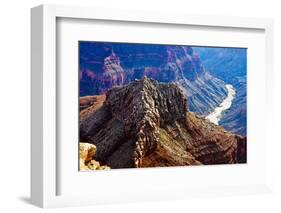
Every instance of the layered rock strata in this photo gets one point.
(106, 65)
(147, 124)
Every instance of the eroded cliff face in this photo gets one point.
(230, 65)
(103, 66)
(147, 124)
(235, 119)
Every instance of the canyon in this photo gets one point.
(106, 65)
(201, 73)
(146, 123)
(230, 65)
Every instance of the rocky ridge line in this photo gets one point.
(147, 124)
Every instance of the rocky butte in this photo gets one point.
(148, 124)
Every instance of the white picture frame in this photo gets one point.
(44, 154)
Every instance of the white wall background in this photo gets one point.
(15, 104)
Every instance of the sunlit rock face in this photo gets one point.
(86, 153)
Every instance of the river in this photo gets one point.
(218, 113)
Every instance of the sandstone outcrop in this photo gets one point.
(86, 154)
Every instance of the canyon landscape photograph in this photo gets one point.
(156, 105)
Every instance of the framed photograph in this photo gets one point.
(129, 106)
